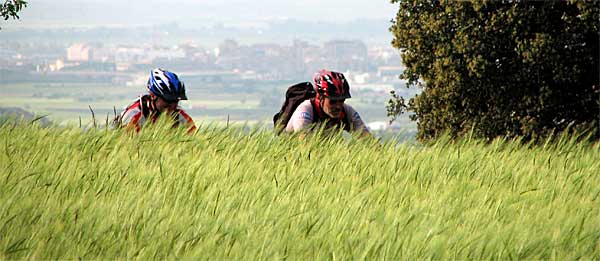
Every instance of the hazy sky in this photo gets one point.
(188, 12)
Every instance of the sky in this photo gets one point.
(49, 13)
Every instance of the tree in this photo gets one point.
(11, 8)
(499, 68)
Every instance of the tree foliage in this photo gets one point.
(11, 8)
(500, 68)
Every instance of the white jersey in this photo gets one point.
(304, 116)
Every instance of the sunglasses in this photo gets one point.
(336, 101)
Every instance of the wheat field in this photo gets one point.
(245, 193)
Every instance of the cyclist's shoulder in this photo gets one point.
(350, 111)
(305, 106)
(132, 115)
(304, 110)
(134, 111)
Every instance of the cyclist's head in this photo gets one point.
(332, 107)
(332, 90)
(332, 85)
(166, 85)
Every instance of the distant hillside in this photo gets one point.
(280, 31)
(20, 114)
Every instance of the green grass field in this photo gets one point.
(66, 103)
(224, 193)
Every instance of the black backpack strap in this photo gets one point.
(317, 117)
(145, 105)
(346, 121)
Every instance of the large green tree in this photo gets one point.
(499, 68)
(11, 8)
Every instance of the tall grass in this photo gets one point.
(225, 193)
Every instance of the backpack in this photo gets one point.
(294, 95)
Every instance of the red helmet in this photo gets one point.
(332, 85)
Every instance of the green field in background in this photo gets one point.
(67, 102)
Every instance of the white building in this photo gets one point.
(78, 53)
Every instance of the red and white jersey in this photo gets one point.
(305, 115)
(140, 111)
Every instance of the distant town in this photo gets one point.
(229, 62)
(96, 54)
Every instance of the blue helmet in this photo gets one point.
(166, 85)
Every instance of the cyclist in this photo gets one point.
(165, 90)
(328, 106)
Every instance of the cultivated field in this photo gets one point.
(66, 103)
(225, 193)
